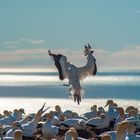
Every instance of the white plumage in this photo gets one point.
(75, 74)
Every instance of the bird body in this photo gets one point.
(8, 120)
(126, 129)
(11, 132)
(74, 122)
(49, 131)
(112, 112)
(30, 127)
(75, 74)
(90, 114)
(120, 117)
(99, 122)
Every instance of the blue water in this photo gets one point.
(119, 85)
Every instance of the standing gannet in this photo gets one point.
(8, 119)
(68, 114)
(120, 117)
(126, 129)
(16, 125)
(30, 127)
(75, 74)
(19, 115)
(57, 111)
(74, 122)
(49, 130)
(91, 114)
(99, 122)
(112, 112)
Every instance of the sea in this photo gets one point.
(31, 89)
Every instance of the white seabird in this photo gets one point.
(26, 119)
(112, 112)
(30, 127)
(16, 126)
(75, 74)
(120, 117)
(74, 122)
(93, 113)
(49, 130)
(8, 119)
(126, 130)
(99, 122)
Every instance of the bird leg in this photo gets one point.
(77, 98)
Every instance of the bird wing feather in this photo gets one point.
(86, 71)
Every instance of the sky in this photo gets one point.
(29, 28)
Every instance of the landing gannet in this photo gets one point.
(75, 74)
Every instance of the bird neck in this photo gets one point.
(90, 59)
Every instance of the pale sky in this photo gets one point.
(28, 28)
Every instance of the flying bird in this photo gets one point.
(73, 73)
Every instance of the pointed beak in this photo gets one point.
(46, 109)
(43, 106)
(106, 105)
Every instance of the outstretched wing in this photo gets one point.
(86, 71)
(61, 64)
(64, 66)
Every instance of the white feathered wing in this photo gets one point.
(75, 74)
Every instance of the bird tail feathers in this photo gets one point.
(76, 94)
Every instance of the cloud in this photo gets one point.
(23, 57)
(15, 44)
(126, 58)
(137, 11)
(35, 42)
